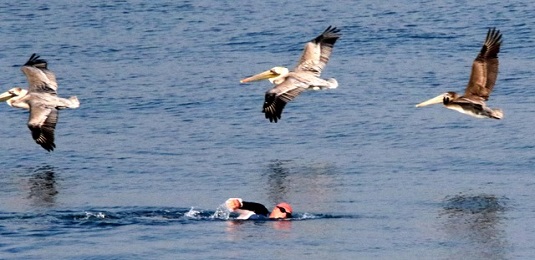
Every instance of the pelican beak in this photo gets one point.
(260, 76)
(435, 100)
(5, 96)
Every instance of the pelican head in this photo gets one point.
(12, 95)
(275, 75)
(442, 98)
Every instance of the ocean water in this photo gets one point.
(165, 133)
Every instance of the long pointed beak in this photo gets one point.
(260, 76)
(435, 100)
(5, 96)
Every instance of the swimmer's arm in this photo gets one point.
(257, 208)
(245, 208)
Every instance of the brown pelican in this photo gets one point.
(306, 75)
(480, 85)
(41, 99)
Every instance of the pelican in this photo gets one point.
(41, 99)
(306, 75)
(480, 85)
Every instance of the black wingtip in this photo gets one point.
(494, 36)
(329, 33)
(39, 135)
(492, 44)
(35, 61)
(272, 109)
(49, 147)
(331, 29)
(273, 117)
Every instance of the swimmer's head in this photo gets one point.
(282, 210)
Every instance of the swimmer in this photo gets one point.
(253, 210)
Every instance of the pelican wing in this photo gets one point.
(316, 53)
(42, 123)
(485, 67)
(277, 97)
(467, 102)
(472, 107)
(40, 79)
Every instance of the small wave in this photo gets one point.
(114, 217)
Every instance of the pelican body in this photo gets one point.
(41, 99)
(305, 76)
(480, 85)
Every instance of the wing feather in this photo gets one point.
(485, 67)
(42, 124)
(40, 79)
(277, 97)
(317, 52)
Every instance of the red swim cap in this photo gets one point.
(285, 206)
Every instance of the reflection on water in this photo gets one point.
(234, 225)
(294, 180)
(42, 186)
(281, 225)
(277, 183)
(238, 230)
(474, 224)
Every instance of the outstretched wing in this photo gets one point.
(40, 79)
(277, 97)
(485, 67)
(316, 53)
(42, 123)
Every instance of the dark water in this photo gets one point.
(165, 133)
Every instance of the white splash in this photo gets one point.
(192, 213)
(99, 215)
(221, 213)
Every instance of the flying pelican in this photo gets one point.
(41, 99)
(306, 75)
(480, 85)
